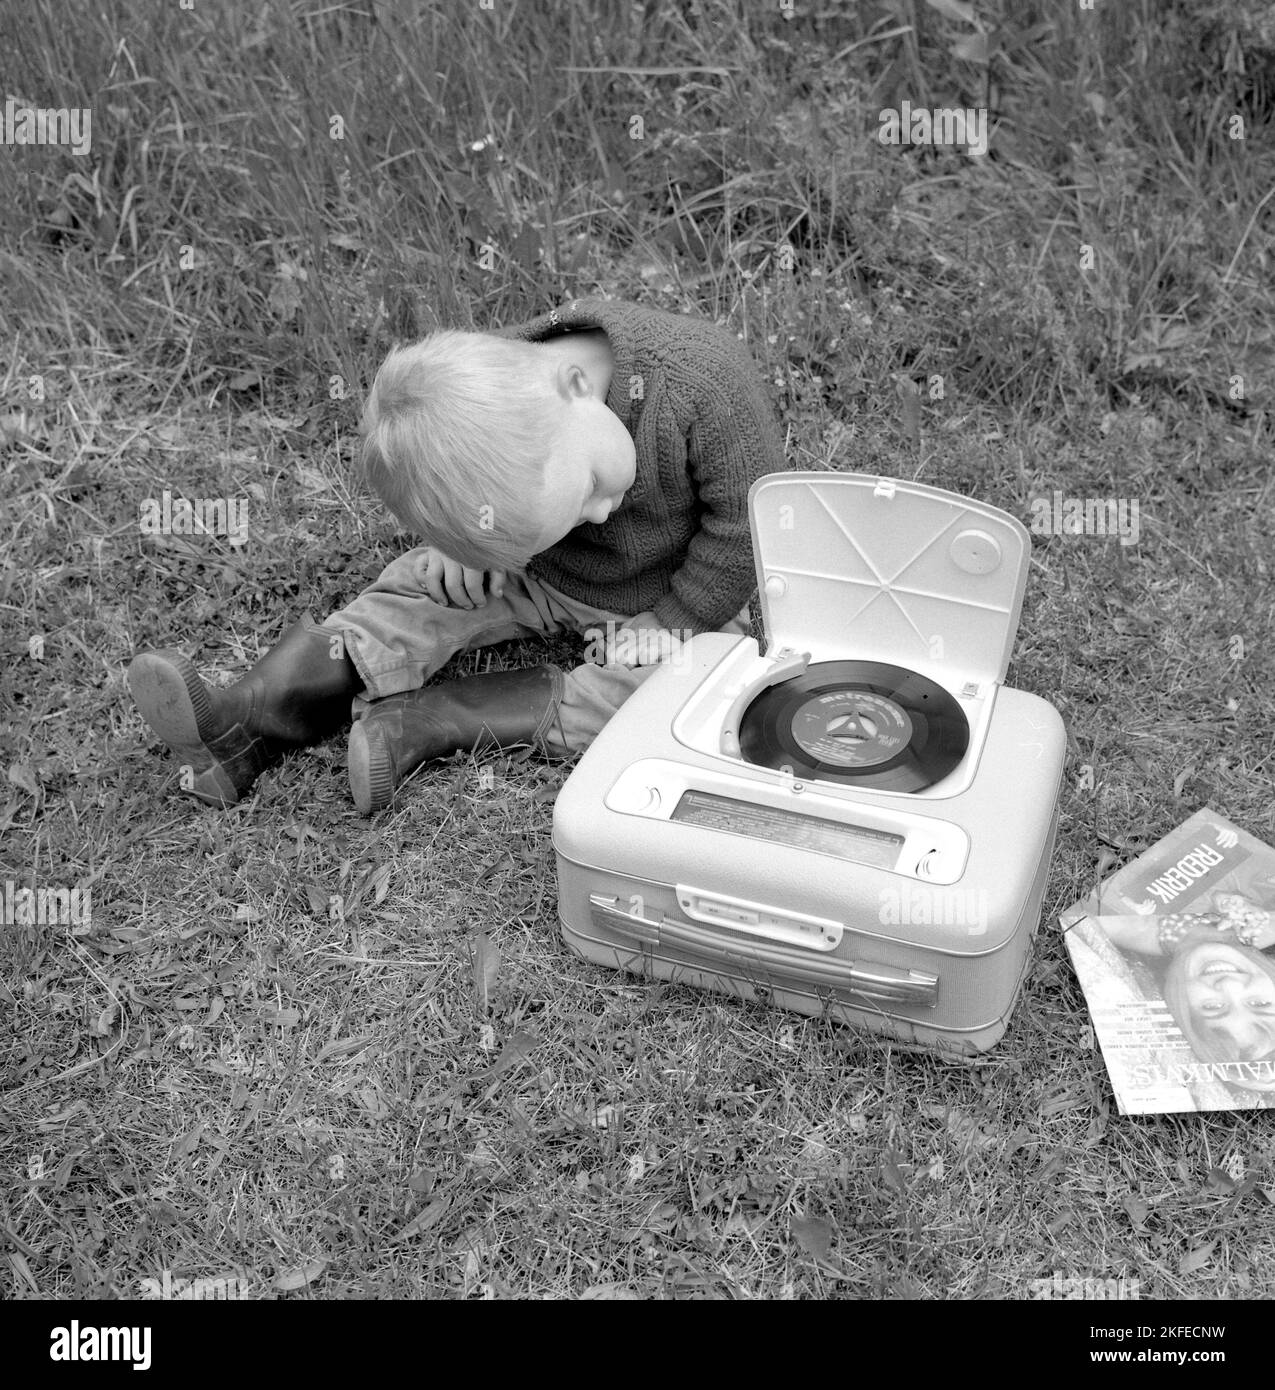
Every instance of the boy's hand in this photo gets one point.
(455, 585)
(649, 644)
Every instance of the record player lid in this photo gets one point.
(851, 565)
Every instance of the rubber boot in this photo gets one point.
(297, 694)
(396, 735)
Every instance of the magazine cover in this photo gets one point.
(1176, 955)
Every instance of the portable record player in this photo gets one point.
(858, 822)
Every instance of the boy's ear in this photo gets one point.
(571, 380)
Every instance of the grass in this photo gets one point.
(424, 1094)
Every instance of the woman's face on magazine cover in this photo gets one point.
(1232, 1001)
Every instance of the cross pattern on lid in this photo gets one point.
(885, 587)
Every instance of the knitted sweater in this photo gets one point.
(679, 543)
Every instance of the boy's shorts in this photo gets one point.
(398, 637)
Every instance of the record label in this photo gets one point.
(851, 728)
(864, 723)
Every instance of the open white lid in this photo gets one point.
(856, 567)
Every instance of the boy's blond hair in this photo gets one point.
(456, 436)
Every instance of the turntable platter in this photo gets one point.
(857, 722)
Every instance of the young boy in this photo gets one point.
(590, 467)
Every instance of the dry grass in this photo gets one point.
(219, 1077)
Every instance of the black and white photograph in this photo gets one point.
(639, 664)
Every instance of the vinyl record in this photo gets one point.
(859, 722)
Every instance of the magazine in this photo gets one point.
(1176, 955)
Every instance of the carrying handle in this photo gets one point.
(885, 984)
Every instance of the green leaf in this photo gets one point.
(890, 1171)
(813, 1234)
(486, 969)
(1198, 1258)
(428, 1216)
(281, 1018)
(381, 883)
(972, 48)
(302, 1275)
(23, 775)
(284, 298)
(1219, 1180)
(188, 1143)
(1137, 1209)
(954, 9)
(518, 1047)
